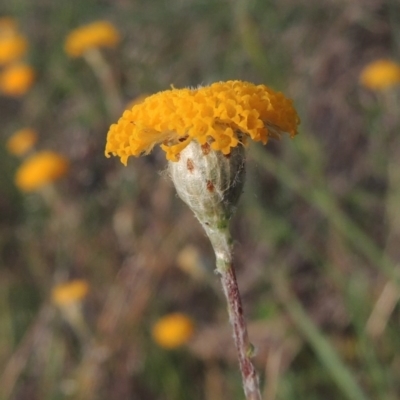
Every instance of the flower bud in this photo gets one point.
(209, 182)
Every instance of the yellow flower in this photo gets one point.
(21, 141)
(67, 293)
(96, 34)
(40, 169)
(173, 330)
(12, 44)
(16, 79)
(12, 47)
(380, 75)
(221, 115)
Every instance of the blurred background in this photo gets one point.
(107, 287)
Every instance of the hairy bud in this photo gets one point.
(209, 182)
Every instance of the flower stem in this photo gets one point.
(221, 242)
(105, 76)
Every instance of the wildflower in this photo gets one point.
(173, 330)
(68, 298)
(16, 80)
(12, 44)
(203, 132)
(380, 75)
(221, 115)
(96, 34)
(70, 292)
(21, 141)
(41, 169)
(12, 48)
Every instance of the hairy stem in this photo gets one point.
(220, 240)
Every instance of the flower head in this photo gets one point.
(173, 330)
(68, 293)
(96, 34)
(12, 44)
(12, 48)
(380, 75)
(16, 80)
(222, 115)
(41, 169)
(21, 141)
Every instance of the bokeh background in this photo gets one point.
(91, 262)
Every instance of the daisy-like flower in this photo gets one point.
(16, 79)
(380, 75)
(12, 44)
(173, 330)
(41, 169)
(70, 292)
(94, 35)
(22, 141)
(222, 115)
(203, 132)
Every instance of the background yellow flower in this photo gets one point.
(22, 141)
(380, 75)
(173, 330)
(70, 292)
(12, 47)
(96, 34)
(16, 80)
(40, 169)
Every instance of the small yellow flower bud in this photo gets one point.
(13, 45)
(173, 330)
(70, 292)
(380, 75)
(93, 35)
(21, 141)
(16, 79)
(41, 169)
